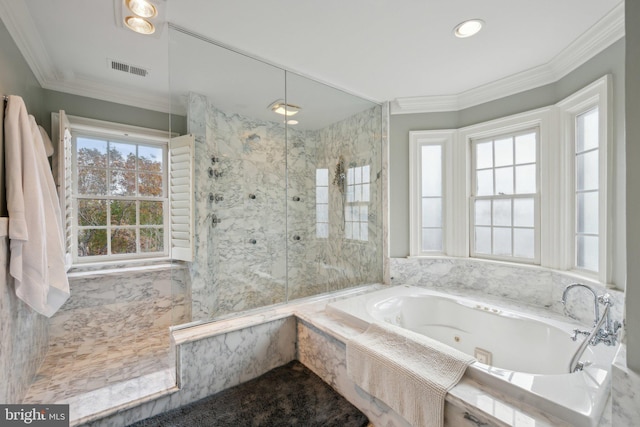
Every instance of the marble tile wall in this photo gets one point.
(24, 337)
(534, 286)
(276, 165)
(108, 305)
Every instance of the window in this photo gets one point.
(322, 203)
(356, 211)
(120, 197)
(503, 203)
(529, 188)
(428, 190)
(586, 190)
(126, 192)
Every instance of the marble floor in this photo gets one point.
(89, 364)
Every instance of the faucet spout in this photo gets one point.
(596, 309)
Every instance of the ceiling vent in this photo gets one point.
(127, 68)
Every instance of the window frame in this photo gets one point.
(359, 203)
(555, 187)
(512, 196)
(418, 139)
(115, 132)
(595, 95)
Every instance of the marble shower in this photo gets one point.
(285, 218)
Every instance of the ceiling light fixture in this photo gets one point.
(468, 28)
(139, 25)
(292, 122)
(281, 107)
(142, 8)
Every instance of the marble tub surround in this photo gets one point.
(265, 250)
(625, 391)
(322, 348)
(521, 285)
(24, 334)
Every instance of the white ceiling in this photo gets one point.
(382, 50)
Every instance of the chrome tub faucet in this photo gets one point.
(603, 329)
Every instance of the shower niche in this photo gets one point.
(288, 188)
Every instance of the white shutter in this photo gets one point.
(62, 162)
(181, 184)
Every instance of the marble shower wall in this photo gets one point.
(24, 337)
(342, 262)
(264, 250)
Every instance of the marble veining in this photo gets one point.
(24, 337)
(264, 250)
(521, 285)
(625, 391)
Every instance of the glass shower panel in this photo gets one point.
(334, 209)
(228, 100)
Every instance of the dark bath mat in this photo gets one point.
(290, 395)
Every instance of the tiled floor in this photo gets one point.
(92, 363)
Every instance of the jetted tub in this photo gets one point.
(521, 355)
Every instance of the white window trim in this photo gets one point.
(555, 167)
(536, 119)
(418, 139)
(597, 94)
(125, 133)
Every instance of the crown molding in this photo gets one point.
(593, 41)
(17, 18)
(108, 92)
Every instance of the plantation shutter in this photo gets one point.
(62, 162)
(181, 184)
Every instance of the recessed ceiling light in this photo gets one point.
(142, 8)
(468, 28)
(139, 25)
(283, 108)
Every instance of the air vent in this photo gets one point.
(127, 68)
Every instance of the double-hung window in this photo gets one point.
(120, 197)
(126, 192)
(356, 210)
(504, 201)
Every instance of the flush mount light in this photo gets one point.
(281, 107)
(468, 28)
(142, 8)
(139, 25)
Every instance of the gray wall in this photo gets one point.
(109, 111)
(632, 9)
(609, 61)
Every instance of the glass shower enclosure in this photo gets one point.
(288, 187)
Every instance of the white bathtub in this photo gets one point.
(527, 356)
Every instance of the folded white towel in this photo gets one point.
(408, 371)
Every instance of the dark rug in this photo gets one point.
(290, 395)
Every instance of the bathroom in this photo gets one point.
(288, 263)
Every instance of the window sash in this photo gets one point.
(138, 141)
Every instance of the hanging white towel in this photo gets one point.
(36, 243)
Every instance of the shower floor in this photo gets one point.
(85, 365)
